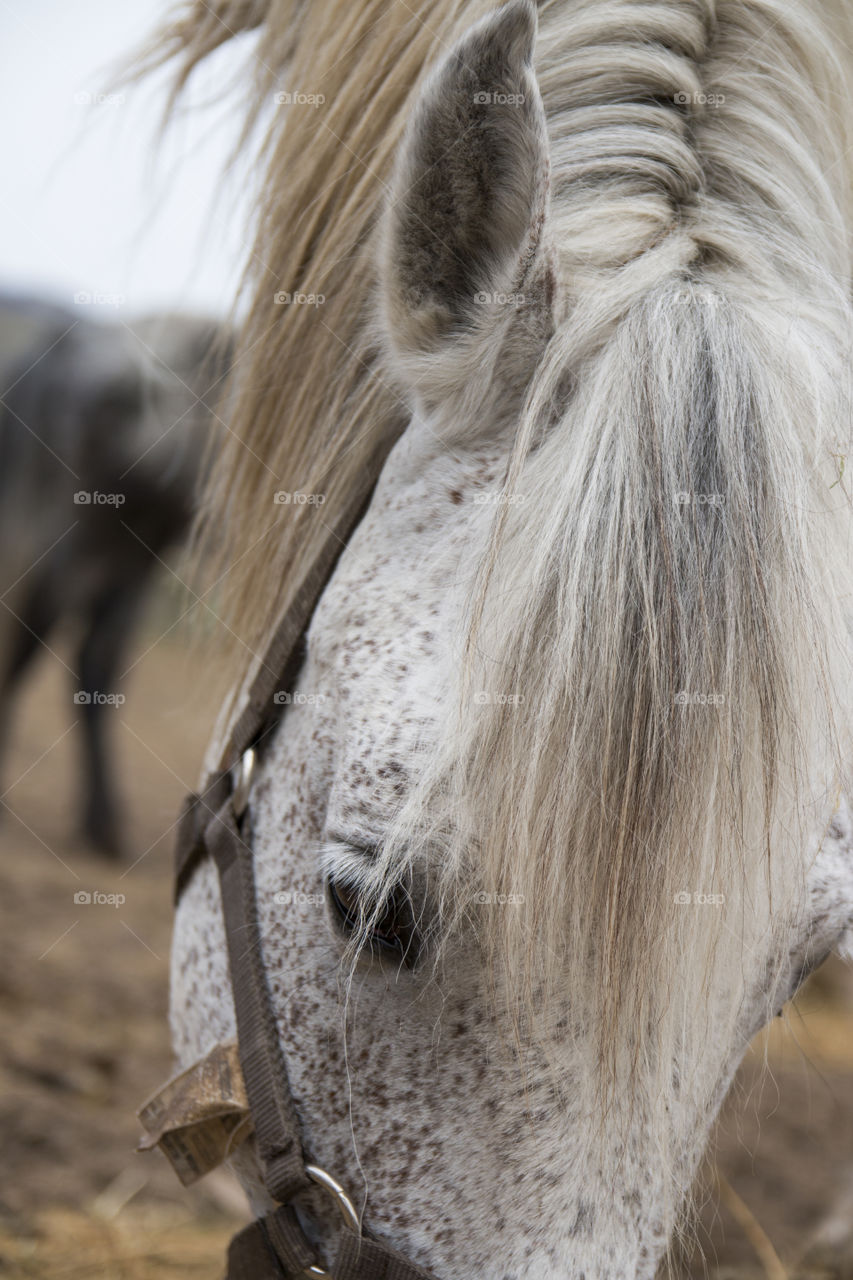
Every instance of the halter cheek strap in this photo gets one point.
(274, 1247)
(216, 824)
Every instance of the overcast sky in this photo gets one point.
(90, 201)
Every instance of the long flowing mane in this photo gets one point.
(701, 214)
(313, 406)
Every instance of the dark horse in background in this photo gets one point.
(103, 432)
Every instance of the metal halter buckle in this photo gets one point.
(241, 778)
(345, 1205)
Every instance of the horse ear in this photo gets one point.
(464, 225)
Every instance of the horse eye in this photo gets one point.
(392, 933)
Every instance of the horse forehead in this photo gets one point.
(383, 641)
(397, 596)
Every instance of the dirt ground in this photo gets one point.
(83, 1031)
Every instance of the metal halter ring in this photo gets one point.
(345, 1205)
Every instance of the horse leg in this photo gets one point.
(107, 628)
(25, 635)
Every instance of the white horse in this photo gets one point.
(555, 820)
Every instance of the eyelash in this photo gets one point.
(398, 939)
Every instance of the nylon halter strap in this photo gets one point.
(216, 824)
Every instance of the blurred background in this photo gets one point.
(93, 200)
(120, 258)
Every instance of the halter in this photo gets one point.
(216, 823)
